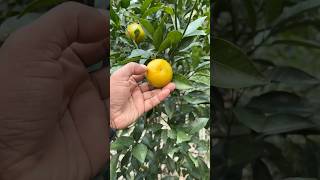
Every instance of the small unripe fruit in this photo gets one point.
(135, 32)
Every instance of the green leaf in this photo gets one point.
(225, 76)
(140, 152)
(197, 125)
(39, 4)
(197, 97)
(168, 10)
(172, 134)
(283, 123)
(298, 42)
(193, 159)
(252, 119)
(150, 11)
(249, 4)
(13, 23)
(202, 76)
(280, 102)
(147, 25)
(114, 17)
(170, 178)
(182, 136)
(171, 165)
(185, 42)
(272, 9)
(196, 33)
(232, 67)
(181, 82)
(145, 5)
(169, 107)
(113, 166)
(158, 35)
(125, 159)
(194, 25)
(231, 55)
(290, 76)
(140, 53)
(172, 39)
(296, 10)
(274, 124)
(122, 142)
(125, 3)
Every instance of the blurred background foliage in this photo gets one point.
(266, 92)
(172, 140)
(17, 13)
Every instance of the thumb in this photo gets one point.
(125, 72)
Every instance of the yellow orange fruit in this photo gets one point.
(159, 73)
(135, 32)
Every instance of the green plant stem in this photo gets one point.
(175, 15)
(184, 31)
(194, 6)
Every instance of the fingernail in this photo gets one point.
(166, 91)
(143, 66)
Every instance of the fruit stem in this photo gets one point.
(194, 6)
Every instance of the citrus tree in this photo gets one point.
(171, 140)
(266, 95)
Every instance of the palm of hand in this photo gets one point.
(129, 99)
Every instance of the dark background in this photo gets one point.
(265, 90)
(265, 79)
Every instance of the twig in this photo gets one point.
(175, 15)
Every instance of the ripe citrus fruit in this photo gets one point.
(159, 73)
(135, 32)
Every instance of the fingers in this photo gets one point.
(125, 72)
(150, 94)
(91, 53)
(101, 82)
(63, 25)
(156, 96)
(145, 87)
(138, 78)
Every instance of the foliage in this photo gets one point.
(171, 140)
(266, 94)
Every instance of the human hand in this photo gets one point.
(53, 120)
(129, 99)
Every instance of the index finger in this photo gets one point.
(63, 25)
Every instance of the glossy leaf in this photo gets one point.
(158, 35)
(181, 82)
(197, 125)
(194, 25)
(232, 67)
(225, 76)
(140, 152)
(145, 5)
(182, 136)
(147, 25)
(172, 39)
(122, 142)
(280, 102)
(298, 42)
(296, 10)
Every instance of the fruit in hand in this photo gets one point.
(159, 73)
(135, 32)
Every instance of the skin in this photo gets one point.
(54, 115)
